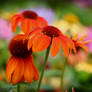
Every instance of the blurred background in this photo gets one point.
(71, 17)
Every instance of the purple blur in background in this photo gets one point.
(83, 3)
(5, 30)
(47, 13)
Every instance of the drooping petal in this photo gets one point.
(26, 25)
(28, 70)
(36, 73)
(84, 47)
(30, 42)
(41, 22)
(55, 47)
(32, 36)
(65, 46)
(11, 65)
(82, 38)
(41, 42)
(75, 37)
(69, 43)
(18, 72)
(85, 42)
(14, 22)
(65, 49)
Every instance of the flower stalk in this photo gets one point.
(62, 74)
(18, 88)
(43, 68)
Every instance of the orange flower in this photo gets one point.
(20, 66)
(29, 20)
(41, 38)
(79, 43)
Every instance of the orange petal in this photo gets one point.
(85, 42)
(69, 43)
(41, 22)
(11, 65)
(82, 38)
(18, 72)
(84, 47)
(29, 70)
(36, 73)
(65, 49)
(75, 37)
(30, 42)
(55, 47)
(32, 36)
(65, 46)
(41, 42)
(14, 22)
(26, 25)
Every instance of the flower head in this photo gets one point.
(5, 30)
(79, 43)
(20, 66)
(71, 18)
(29, 20)
(41, 38)
(70, 24)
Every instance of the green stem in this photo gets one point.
(43, 68)
(62, 74)
(18, 88)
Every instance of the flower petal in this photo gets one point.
(65, 49)
(82, 38)
(55, 47)
(11, 65)
(32, 36)
(41, 22)
(69, 43)
(75, 37)
(84, 47)
(41, 42)
(14, 21)
(36, 73)
(29, 71)
(65, 46)
(26, 25)
(18, 72)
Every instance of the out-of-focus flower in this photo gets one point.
(89, 37)
(79, 43)
(70, 23)
(20, 66)
(71, 18)
(29, 20)
(5, 30)
(41, 38)
(74, 59)
(46, 13)
(7, 14)
(83, 3)
(84, 66)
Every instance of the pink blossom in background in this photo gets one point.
(89, 37)
(83, 3)
(5, 30)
